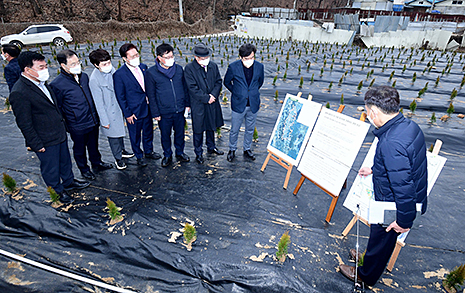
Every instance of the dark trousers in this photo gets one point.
(117, 147)
(141, 129)
(83, 142)
(209, 141)
(380, 246)
(56, 167)
(167, 123)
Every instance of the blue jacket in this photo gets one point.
(166, 96)
(400, 167)
(12, 73)
(131, 97)
(75, 102)
(235, 82)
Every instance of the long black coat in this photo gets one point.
(37, 117)
(200, 84)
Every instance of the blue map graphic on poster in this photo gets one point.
(289, 135)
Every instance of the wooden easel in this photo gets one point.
(399, 244)
(283, 163)
(335, 197)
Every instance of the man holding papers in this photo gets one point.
(399, 175)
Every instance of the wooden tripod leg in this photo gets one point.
(395, 254)
(288, 176)
(299, 185)
(349, 226)
(331, 209)
(266, 162)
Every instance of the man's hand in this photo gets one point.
(157, 118)
(212, 99)
(396, 228)
(107, 126)
(365, 171)
(131, 119)
(42, 150)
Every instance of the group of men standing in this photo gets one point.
(134, 95)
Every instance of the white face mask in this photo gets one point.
(371, 121)
(106, 69)
(169, 62)
(204, 62)
(248, 63)
(43, 74)
(75, 70)
(134, 62)
(3, 57)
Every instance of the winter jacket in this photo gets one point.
(12, 73)
(400, 168)
(75, 102)
(166, 96)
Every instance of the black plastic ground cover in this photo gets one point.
(239, 212)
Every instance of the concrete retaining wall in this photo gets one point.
(438, 39)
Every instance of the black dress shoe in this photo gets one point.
(231, 155)
(88, 175)
(102, 166)
(200, 159)
(127, 154)
(65, 197)
(76, 185)
(216, 151)
(249, 154)
(153, 156)
(141, 162)
(166, 161)
(183, 158)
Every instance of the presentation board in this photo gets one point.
(293, 127)
(332, 149)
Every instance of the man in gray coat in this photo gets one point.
(204, 83)
(109, 112)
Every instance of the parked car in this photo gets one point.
(39, 34)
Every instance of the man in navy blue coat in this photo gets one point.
(168, 98)
(131, 94)
(74, 98)
(243, 79)
(12, 71)
(399, 175)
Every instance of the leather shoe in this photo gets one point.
(231, 155)
(349, 273)
(102, 166)
(76, 185)
(216, 151)
(153, 156)
(141, 162)
(65, 197)
(183, 158)
(166, 161)
(353, 255)
(88, 175)
(249, 154)
(200, 159)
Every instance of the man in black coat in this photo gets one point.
(71, 87)
(204, 83)
(39, 119)
(12, 71)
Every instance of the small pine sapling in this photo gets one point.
(7, 104)
(454, 280)
(322, 70)
(436, 83)
(301, 84)
(330, 86)
(462, 82)
(283, 245)
(225, 99)
(285, 75)
(432, 120)
(312, 78)
(391, 76)
(113, 212)
(9, 183)
(360, 85)
(450, 110)
(328, 105)
(274, 80)
(54, 197)
(276, 95)
(255, 135)
(361, 259)
(394, 83)
(453, 94)
(431, 148)
(342, 99)
(414, 77)
(190, 235)
(413, 106)
(341, 80)
(372, 82)
(218, 132)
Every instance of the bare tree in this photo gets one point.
(35, 7)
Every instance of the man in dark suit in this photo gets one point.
(168, 97)
(39, 119)
(130, 92)
(243, 79)
(71, 87)
(204, 82)
(12, 71)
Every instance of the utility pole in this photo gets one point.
(181, 17)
